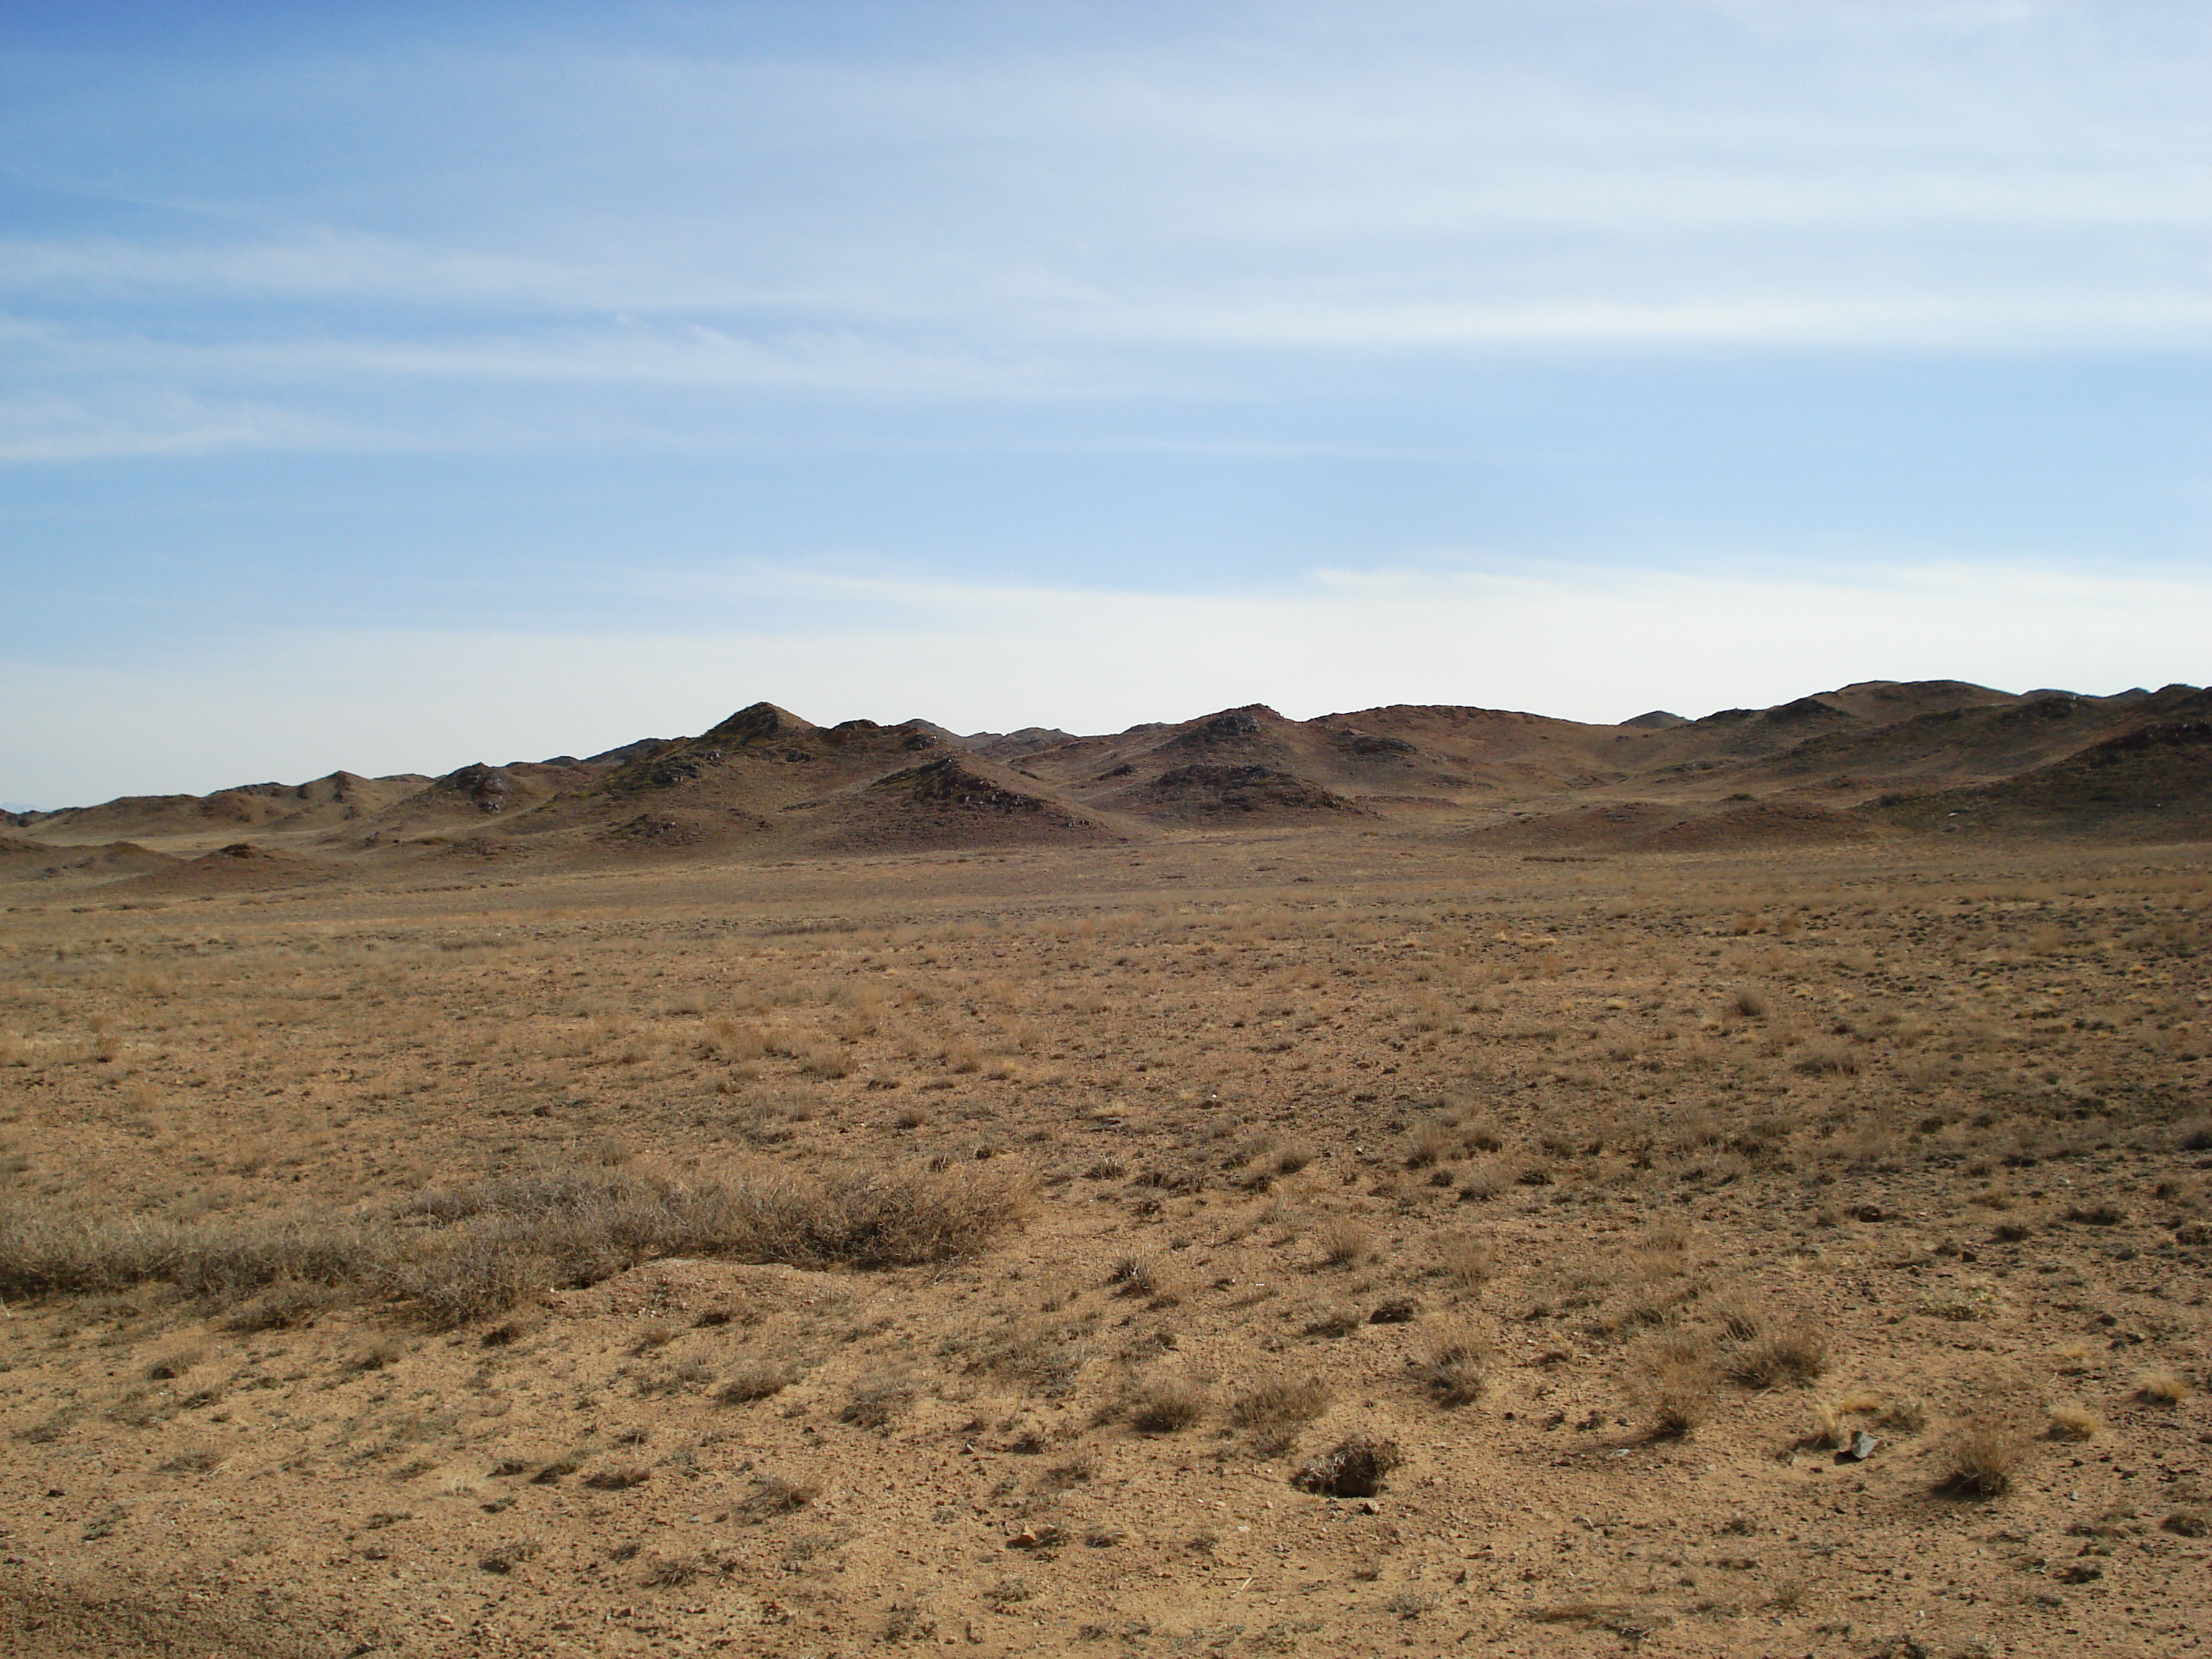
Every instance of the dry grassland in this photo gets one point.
(1314, 1243)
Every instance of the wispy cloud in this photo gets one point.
(2173, 318)
(622, 350)
(444, 314)
(1039, 216)
(112, 426)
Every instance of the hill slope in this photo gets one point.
(1871, 758)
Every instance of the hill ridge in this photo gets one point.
(1868, 758)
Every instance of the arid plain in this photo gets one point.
(1429, 1181)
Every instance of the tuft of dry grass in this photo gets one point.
(1135, 1276)
(875, 1402)
(1680, 1392)
(1433, 1145)
(458, 1279)
(1982, 1458)
(1827, 1060)
(506, 1558)
(175, 1364)
(378, 1355)
(1797, 1355)
(2161, 1388)
(825, 1062)
(772, 1496)
(1353, 1468)
(285, 1305)
(490, 1246)
(1344, 1241)
(758, 1380)
(1165, 1405)
(1740, 1321)
(2102, 1212)
(2070, 1421)
(1903, 1415)
(1453, 1370)
(672, 1572)
(887, 1219)
(64, 1253)
(1469, 1262)
(1334, 1321)
(1271, 1410)
(1487, 1180)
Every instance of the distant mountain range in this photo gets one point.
(1874, 759)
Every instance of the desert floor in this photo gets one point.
(359, 1298)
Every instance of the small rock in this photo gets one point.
(1861, 1447)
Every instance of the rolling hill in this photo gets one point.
(1872, 759)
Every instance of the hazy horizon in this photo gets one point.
(487, 757)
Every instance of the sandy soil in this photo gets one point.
(1618, 1192)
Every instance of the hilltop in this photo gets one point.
(1866, 761)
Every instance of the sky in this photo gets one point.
(392, 386)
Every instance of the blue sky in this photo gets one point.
(391, 386)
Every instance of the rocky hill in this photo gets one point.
(1871, 759)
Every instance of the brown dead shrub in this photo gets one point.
(2070, 1421)
(1273, 1410)
(1826, 1059)
(772, 1495)
(506, 1558)
(1334, 1321)
(492, 1245)
(1343, 1241)
(1353, 1468)
(1797, 1355)
(1679, 1393)
(1453, 1371)
(1982, 1458)
(285, 1305)
(760, 1380)
(65, 1253)
(875, 1402)
(1469, 1262)
(1165, 1405)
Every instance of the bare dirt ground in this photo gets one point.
(987, 1251)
